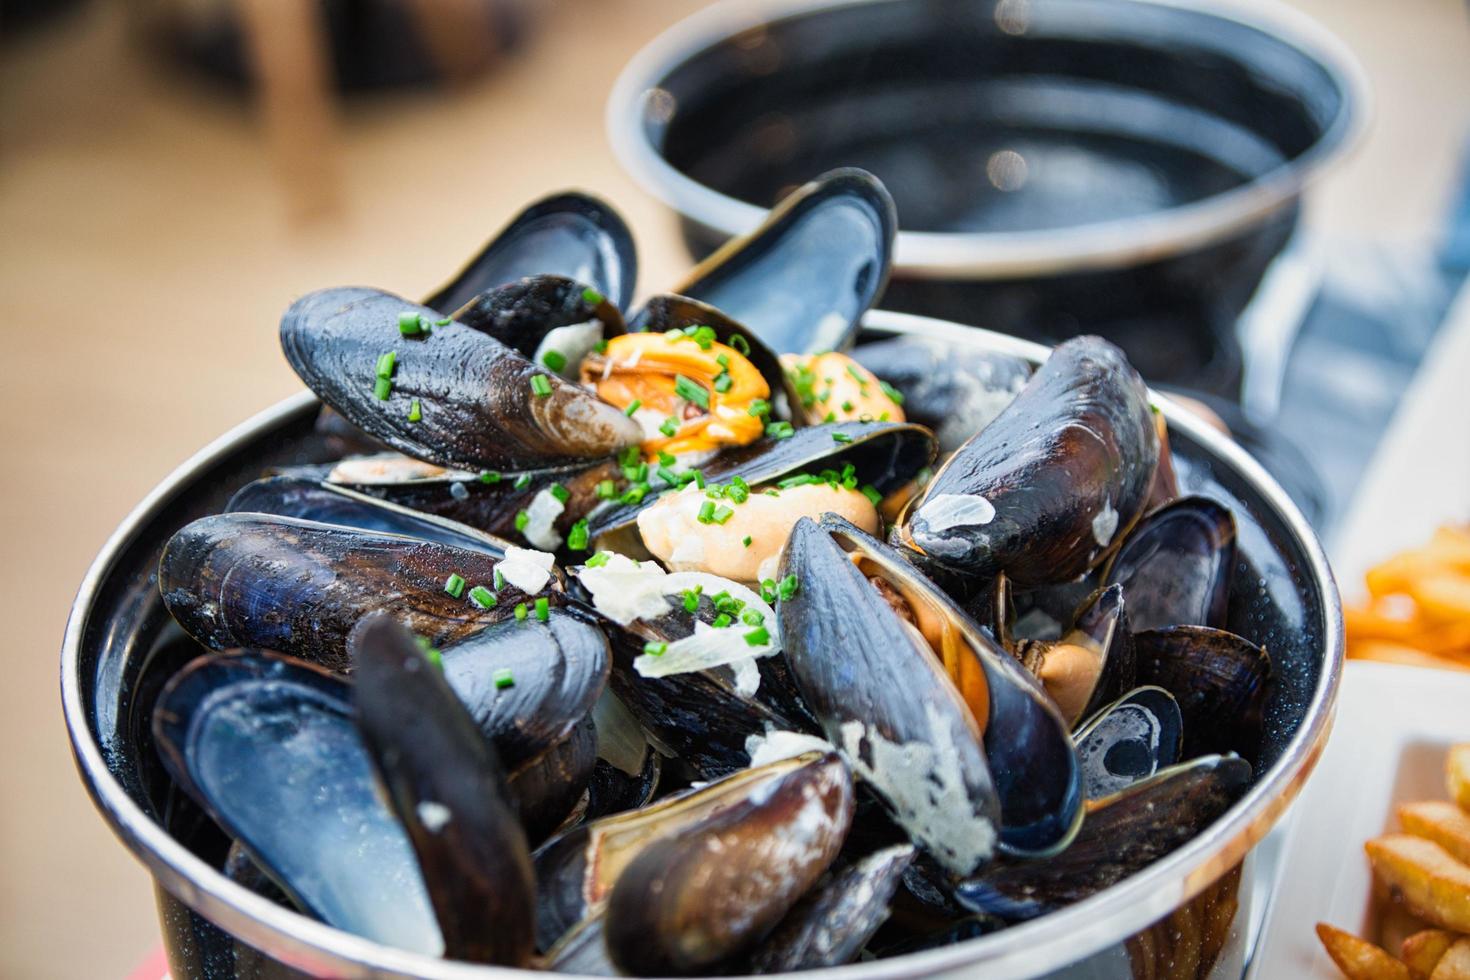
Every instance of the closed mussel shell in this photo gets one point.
(700, 897)
(1219, 679)
(1175, 565)
(544, 312)
(1048, 489)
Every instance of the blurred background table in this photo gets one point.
(149, 247)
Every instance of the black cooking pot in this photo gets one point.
(1122, 167)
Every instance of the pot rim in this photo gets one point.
(1044, 944)
(1112, 244)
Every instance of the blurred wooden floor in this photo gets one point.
(145, 256)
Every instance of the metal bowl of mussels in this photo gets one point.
(1121, 167)
(384, 682)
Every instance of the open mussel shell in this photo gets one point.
(445, 783)
(1122, 835)
(885, 455)
(1219, 679)
(1129, 740)
(487, 501)
(670, 312)
(700, 897)
(544, 312)
(628, 767)
(1175, 565)
(267, 746)
(327, 503)
(257, 580)
(477, 407)
(1092, 664)
(572, 235)
(959, 741)
(954, 390)
(835, 920)
(1049, 488)
(582, 952)
(559, 668)
(577, 869)
(804, 278)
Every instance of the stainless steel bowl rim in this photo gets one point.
(1025, 950)
(999, 255)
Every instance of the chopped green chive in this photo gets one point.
(874, 497)
(723, 382)
(630, 457)
(759, 408)
(745, 541)
(543, 609)
(591, 296)
(577, 536)
(721, 621)
(669, 427)
(740, 343)
(503, 678)
(752, 617)
(758, 636)
(489, 476)
(634, 494)
(668, 476)
(444, 322)
(788, 587)
(691, 391)
(691, 600)
(522, 519)
(523, 481)
(636, 474)
(386, 362)
(427, 649)
(415, 413)
(521, 612)
(559, 492)
(599, 559)
(541, 385)
(382, 387)
(780, 430)
(499, 579)
(408, 324)
(554, 359)
(894, 395)
(841, 437)
(600, 347)
(723, 360)
(722, 514)
(768, 589)
(655, 649)
(847, 406)
(483, 597)
(454, 585)
(830, 417)
(856, 374)
(704, 337)
(706, 512)
(633, 406)
(607, 490)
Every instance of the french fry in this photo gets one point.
(1395, 923)
(1396, 622)
(1424, 877)
(1444, 823)
(1457, 775)
(1422, 951)
(1455, 963)
(1359, 959)
(1397, 653)
(1443, 596)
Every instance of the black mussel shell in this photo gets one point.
(1175, 565)
(1219, 679)
(953, 389)
(1047, 490)
(487, 501)
(326, 503)
(548, 790)
(1122, 835)
(833, 922)
(445, 783)
(804, 277)
(885, 455)
(477, 407)
(299, 587)
(267, 746)
(698, 898)
(522, 315)
(670, 312)
(577, 869)
(572, 235)
(1129, 740)
(340, 437)
(1026, 748)
(628, 768)
(559, 670)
